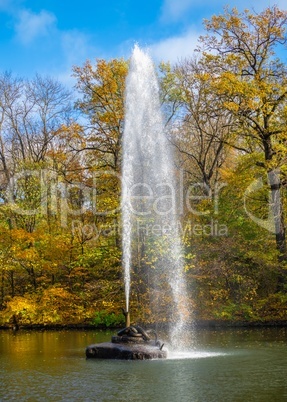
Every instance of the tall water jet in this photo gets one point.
(151, 243)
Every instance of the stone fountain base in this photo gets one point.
(109, 350)
(131, 343)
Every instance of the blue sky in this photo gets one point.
(50, 36)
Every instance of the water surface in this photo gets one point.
(230, 365)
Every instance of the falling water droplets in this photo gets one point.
(149, 210)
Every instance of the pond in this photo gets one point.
(226, 365)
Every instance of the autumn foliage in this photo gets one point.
(60, 164)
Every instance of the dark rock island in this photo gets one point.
(130, 343)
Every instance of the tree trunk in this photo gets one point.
(12, 283)
(2, 289)
(279, 225)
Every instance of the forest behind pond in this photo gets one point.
(225, 111)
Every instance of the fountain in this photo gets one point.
(151, 242)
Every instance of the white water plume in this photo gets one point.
(151, 243)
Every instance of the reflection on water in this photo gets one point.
(231, 365)
(195, 354)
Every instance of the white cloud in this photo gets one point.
(172, 10)
(253, 4)
(175, 48)
(66, 78)
(4, 4)
(30, 26)
(7, 5)
(75, 49)
(75, 46)
(282, 4)
(179, 47)
(11, 7)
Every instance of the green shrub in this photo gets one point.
(106, 319)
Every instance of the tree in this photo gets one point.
(31, 114)
(241, 51)
(103, 88)
(34, 115)
(204, 126)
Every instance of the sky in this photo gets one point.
(49, 37)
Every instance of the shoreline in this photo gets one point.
(197, 325)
